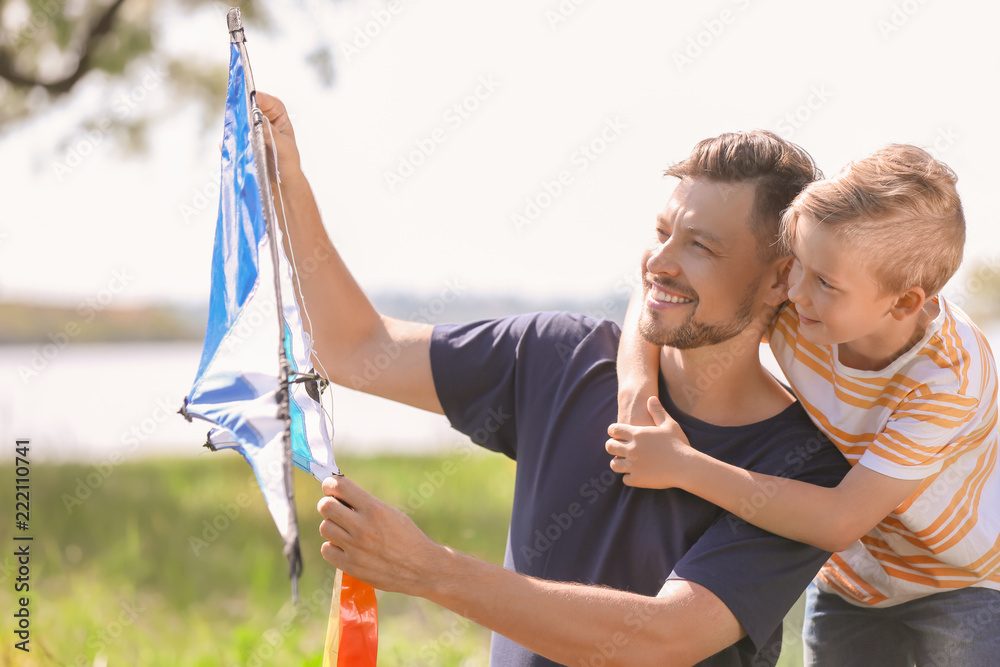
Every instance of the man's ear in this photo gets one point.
(776, 279)
(908, 303)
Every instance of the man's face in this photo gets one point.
(702, 278)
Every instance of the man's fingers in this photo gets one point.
(619, 464)
(333, 554)
(270, 105)
(346, 490)
(331, 531)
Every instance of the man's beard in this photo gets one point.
(690, 334)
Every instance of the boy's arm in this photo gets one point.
(349, 336)
(828, 518)
(638, 368)
(566, 622)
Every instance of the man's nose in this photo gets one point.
(663, 259)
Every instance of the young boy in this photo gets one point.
(905, 386)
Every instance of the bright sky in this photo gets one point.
(572, 106)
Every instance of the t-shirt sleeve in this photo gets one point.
(920, 435)
(756, 574)
(485, 373)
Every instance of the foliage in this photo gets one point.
(49, 47)
(117, 568)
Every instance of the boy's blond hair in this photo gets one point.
(899, 206)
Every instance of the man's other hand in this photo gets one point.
(374, 542)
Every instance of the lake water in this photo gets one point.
(87, 402)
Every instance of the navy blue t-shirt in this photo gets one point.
(542, 389)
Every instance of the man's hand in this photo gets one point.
(374, 542)
(651, 457)
(281, 129)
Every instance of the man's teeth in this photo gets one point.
(663, 296)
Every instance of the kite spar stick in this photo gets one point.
(291, 550)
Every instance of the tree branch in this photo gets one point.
(101, 27)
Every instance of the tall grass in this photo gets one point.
(177, 562)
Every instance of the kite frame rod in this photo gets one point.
(235, 23)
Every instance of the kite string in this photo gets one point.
(295, 271)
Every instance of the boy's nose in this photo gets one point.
(796, 294)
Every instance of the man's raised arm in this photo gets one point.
(347, 331)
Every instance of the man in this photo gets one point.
(618, 575)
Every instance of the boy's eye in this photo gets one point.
(824, 283)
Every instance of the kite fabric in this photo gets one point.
(238, 385)
(352, 633)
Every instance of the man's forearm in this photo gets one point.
(341, 316)
(575, 624)
(570, 623)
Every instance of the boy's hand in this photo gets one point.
(651, 457)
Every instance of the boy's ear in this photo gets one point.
(777, 280)
(908, 303)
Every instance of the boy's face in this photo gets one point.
(833, 291)
(702, 278)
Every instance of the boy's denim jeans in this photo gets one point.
(959, 628)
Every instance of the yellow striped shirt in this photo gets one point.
(930, 415)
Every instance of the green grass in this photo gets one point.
(127, 567)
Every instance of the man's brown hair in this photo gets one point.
(900, 209)
(777, 169)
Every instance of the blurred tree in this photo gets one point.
(47, 47)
